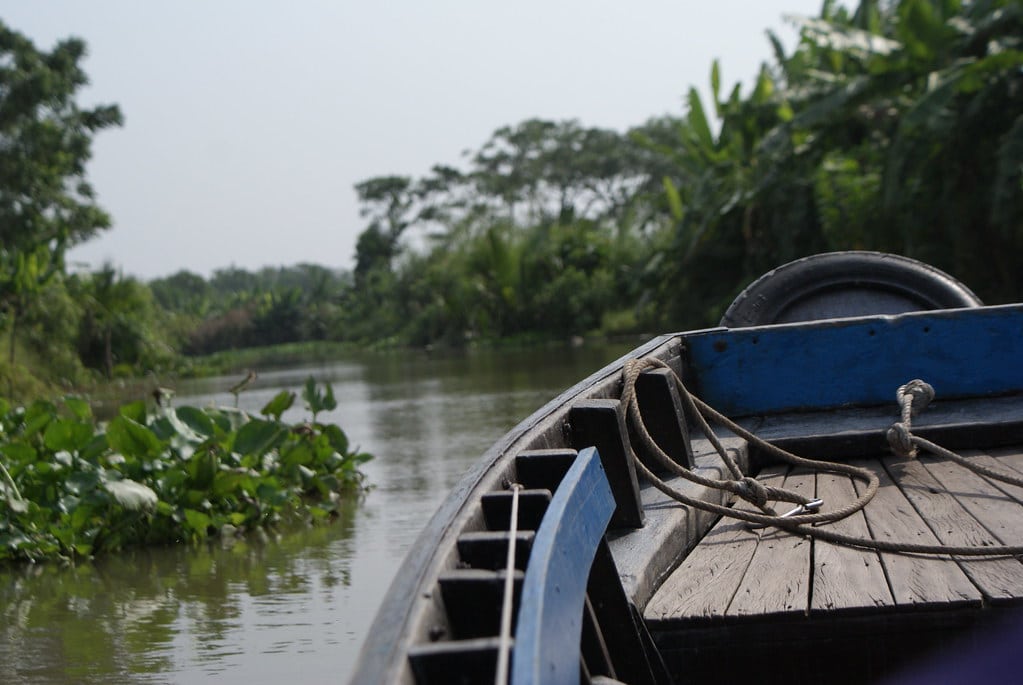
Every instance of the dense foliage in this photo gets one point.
(892, 126)
(72, 488)
(46, 203)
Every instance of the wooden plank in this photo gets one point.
(998, 579)
(777, 579)
(645, 557)
(990, 501)
(914, 580)
(442, 663)
(851, 433)
(844, 577)
(858, 361)
(705, 582)
(1009, 459)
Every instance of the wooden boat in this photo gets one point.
(572, 553)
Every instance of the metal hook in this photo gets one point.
(810, 507)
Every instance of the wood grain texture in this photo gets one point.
(914, 580)
(993, 503)
(845, 577)
(777, 579)
(951, 522)
(704, 583)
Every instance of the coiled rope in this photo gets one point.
(911, 397)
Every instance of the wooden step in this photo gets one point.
(489, 549)
(532, 506)
(473, 599)
(458, 661)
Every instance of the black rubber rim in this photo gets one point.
(766, 300)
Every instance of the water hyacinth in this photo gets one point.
(72, 487)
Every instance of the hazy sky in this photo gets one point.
(247, 122)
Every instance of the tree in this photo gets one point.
(118, 324)
(46, 204)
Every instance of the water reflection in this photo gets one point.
(296, 605)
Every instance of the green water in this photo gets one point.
(294, 604)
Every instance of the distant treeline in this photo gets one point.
(894, 126)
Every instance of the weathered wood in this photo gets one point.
(646, 556)
(858, 361)
(843, 577)
(705, 582)
(854, 432)
(994, 503)
(553, 594)
(614, 614)
(497, 509)
(839, 647)
(1009, 460)
(999, 579)
(460, 661)
(473, 600)
(914, 580)
(489, 549)
(601, 424)
(664, 418)
(543, 469)
(777, 579)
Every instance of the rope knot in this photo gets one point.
(900, 439)
(752, 490)
(920, 393)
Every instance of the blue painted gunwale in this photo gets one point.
(862, 361)
(549, 624)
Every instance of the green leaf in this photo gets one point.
(82, 482)
(67, 434)
(257, 436)
(197, 521)
(79, 407)
(715, 86)
(19, 451)
(132, 439)
(18, 506)
(38, 416)
(698, 119)
(279, 404)
(136, 411)
(131, 495)
(336, 436)
(197, 420)
(674, 200)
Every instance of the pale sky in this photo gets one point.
(247, 122)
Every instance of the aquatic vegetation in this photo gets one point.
(72, 487)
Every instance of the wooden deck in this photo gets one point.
(807, 603)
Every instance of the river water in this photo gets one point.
(293, 604)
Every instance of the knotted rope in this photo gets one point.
(912, 397)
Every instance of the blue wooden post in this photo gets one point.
(550, 612)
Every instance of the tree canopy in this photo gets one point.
(46, 202)
(892, 125)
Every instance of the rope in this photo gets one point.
(504, 643)
(912, 398)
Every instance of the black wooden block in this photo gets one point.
(473, 600)
(664, 418)
(458, 662)
(532, 506)
(599, 423)
(543, 468)
(489, 550)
